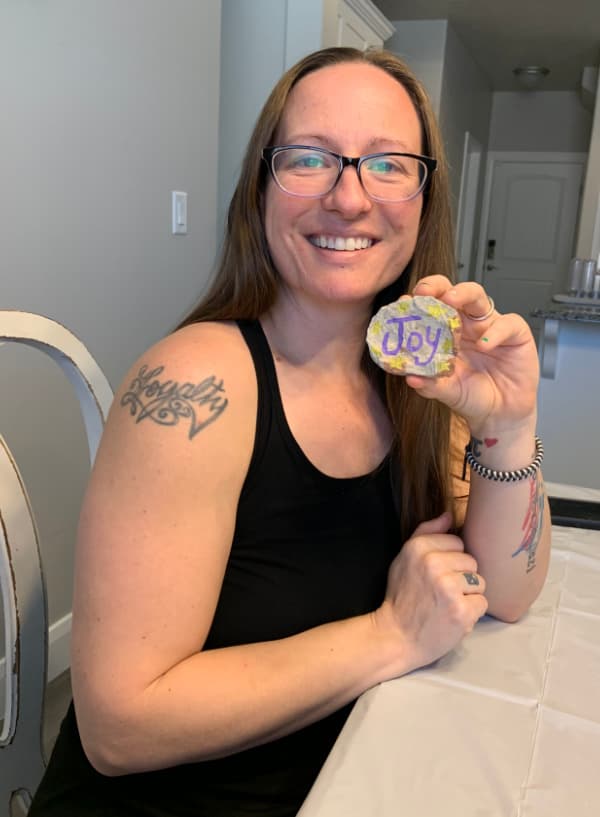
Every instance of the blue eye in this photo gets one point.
(389, 165)
(310, 160)
(382, 165)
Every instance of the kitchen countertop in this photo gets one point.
(590, 314)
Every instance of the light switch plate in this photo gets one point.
(179, 212)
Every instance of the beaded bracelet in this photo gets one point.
(506, 476)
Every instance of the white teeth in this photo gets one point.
(342, 244)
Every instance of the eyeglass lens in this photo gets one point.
(389, 177)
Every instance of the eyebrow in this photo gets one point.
(374, 144)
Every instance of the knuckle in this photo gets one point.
(460, 545)
(446, 586)
(457, 614)
(430, 561)
(419, 548)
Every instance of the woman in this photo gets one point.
(271, 526)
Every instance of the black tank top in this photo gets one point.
(307, 549)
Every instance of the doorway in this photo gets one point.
(529, 220)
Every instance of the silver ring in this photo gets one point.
(471, 578)
(487, 314)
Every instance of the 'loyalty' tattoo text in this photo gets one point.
(167, 402)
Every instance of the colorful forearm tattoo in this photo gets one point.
(532, 524)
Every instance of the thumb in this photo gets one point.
(440, 524)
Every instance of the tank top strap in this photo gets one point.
(269, 404)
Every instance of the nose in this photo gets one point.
(348, 196)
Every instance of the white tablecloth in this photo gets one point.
(506, 725)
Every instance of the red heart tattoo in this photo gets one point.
(490, 441)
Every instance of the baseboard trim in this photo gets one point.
(59, 652)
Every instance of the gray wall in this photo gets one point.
(260, 40)
(421, 44)
(251, 63)
(107, 106)
(540, 121)
(460, 93)
(465, 105)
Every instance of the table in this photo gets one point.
(505, 725)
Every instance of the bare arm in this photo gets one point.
(494, 388)
(507, 527)
(155, 535)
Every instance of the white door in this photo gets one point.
(529, 235)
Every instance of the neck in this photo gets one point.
(320, 336)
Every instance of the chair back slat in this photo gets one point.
(22, 585)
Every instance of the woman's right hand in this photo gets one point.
(430, 602)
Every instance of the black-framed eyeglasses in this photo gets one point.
(312, 172)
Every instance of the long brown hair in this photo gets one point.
(246, 281)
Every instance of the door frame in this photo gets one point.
(467, 205)
(496, 156)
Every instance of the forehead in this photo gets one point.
(351, 103)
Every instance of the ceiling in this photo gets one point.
(563, 35)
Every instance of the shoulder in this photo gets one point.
(198, 371)
(191, 352)
(192, 395)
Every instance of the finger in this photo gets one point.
(452, 589)
(505, 330)
(471, 582)
(477, 604)
(445, 389)
(471, 299)
(451, 562)
(434, 285)
(438, 525)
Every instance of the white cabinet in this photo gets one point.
(314, 24)
(356, 23)
(260, 39)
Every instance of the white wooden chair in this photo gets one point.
(22, 586)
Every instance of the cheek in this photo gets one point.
(276, 216)
(413, 222)
(282, 217)
(277, 221)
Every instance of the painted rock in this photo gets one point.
(417, 335)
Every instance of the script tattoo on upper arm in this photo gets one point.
(166, 402)
(532, 524)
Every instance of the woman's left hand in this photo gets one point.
(496, 372)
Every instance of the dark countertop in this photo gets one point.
(575, 513)
(586, 314)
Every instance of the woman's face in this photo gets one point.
(351, 109)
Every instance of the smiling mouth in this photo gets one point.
(331, 242)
